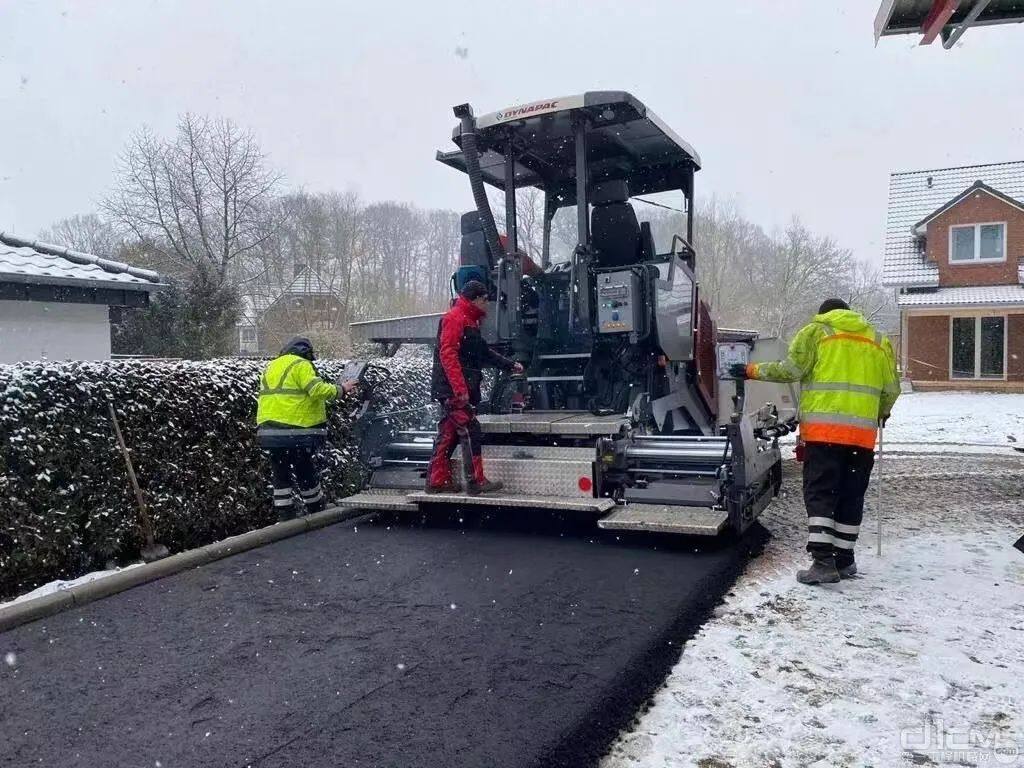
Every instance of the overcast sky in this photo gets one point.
(791, 107)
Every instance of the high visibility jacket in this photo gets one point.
(847, 373)
(292, 395)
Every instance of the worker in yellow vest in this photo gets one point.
(847, 371)
(292, 424)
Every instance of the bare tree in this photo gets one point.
(198, 198)
(88, 233)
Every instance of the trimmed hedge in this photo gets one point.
(66, 506)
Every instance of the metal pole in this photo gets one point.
(511, 228)
(151, 550)
(878, 480)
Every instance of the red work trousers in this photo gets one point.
(459, 426)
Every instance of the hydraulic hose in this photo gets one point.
(476, 179)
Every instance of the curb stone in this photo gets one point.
(72, 597)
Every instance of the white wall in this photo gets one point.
(37, 330)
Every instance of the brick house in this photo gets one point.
(954, 252)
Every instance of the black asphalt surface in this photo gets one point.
(525, 643)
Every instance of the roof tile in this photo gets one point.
(27, 261)
(912, 199)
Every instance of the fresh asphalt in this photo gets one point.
(511, 640)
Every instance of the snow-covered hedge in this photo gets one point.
(66, 506)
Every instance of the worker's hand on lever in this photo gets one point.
(349, 386)
(738, 371)
(882, 419)
(517, 368)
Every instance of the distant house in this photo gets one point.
(305, 306)
(55, 302)
(954, 252)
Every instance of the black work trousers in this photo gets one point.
(295, 462)
(835, 482)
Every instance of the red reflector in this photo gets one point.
(585, 484)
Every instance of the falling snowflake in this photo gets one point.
(11, 659)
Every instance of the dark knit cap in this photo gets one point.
(829, 304)
(472, 290)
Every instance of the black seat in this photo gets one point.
(614, 230)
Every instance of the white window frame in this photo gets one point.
(977, 243)
(977, 318)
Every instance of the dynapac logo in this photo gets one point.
(529, 109)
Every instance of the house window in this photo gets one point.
(248, 335)
(978, 348)
(977, 242)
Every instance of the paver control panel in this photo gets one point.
(618, 301)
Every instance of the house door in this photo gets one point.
(978, 347)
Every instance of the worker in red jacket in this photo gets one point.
(460, 356)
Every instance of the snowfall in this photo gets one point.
(917, 661)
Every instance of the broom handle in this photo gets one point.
(147, 524)
(881, 438)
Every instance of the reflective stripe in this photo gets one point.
(280, 389)
(313, 499)
(878, 338)
(817, 417)
(819, 538)
(852, 337)
(282, 491)
(311, 492)
(843, 528)
(842, 543)
(839, 434)
(824, 522)
(828, 329)
(283, 502)
(312, 383)
(840, 386)
(285, 431)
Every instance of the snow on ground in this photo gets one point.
(965, 418)
(951, 422)
(62, 584)
(915, 662)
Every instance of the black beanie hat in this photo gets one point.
(829, 304)
(472, 290)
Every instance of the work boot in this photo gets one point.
(822, 571)
(448, 486)
(475, 487)
(847, 567)
(284, 514)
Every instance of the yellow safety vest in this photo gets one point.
(847, 374)
(292, 394)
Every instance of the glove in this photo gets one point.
(883, 419)
(738, 371)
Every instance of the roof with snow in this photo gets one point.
(982, 295)
(28, 261)
(306, 284)
(916, 195)
(979, 186)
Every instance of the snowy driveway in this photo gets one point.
(917, 662)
